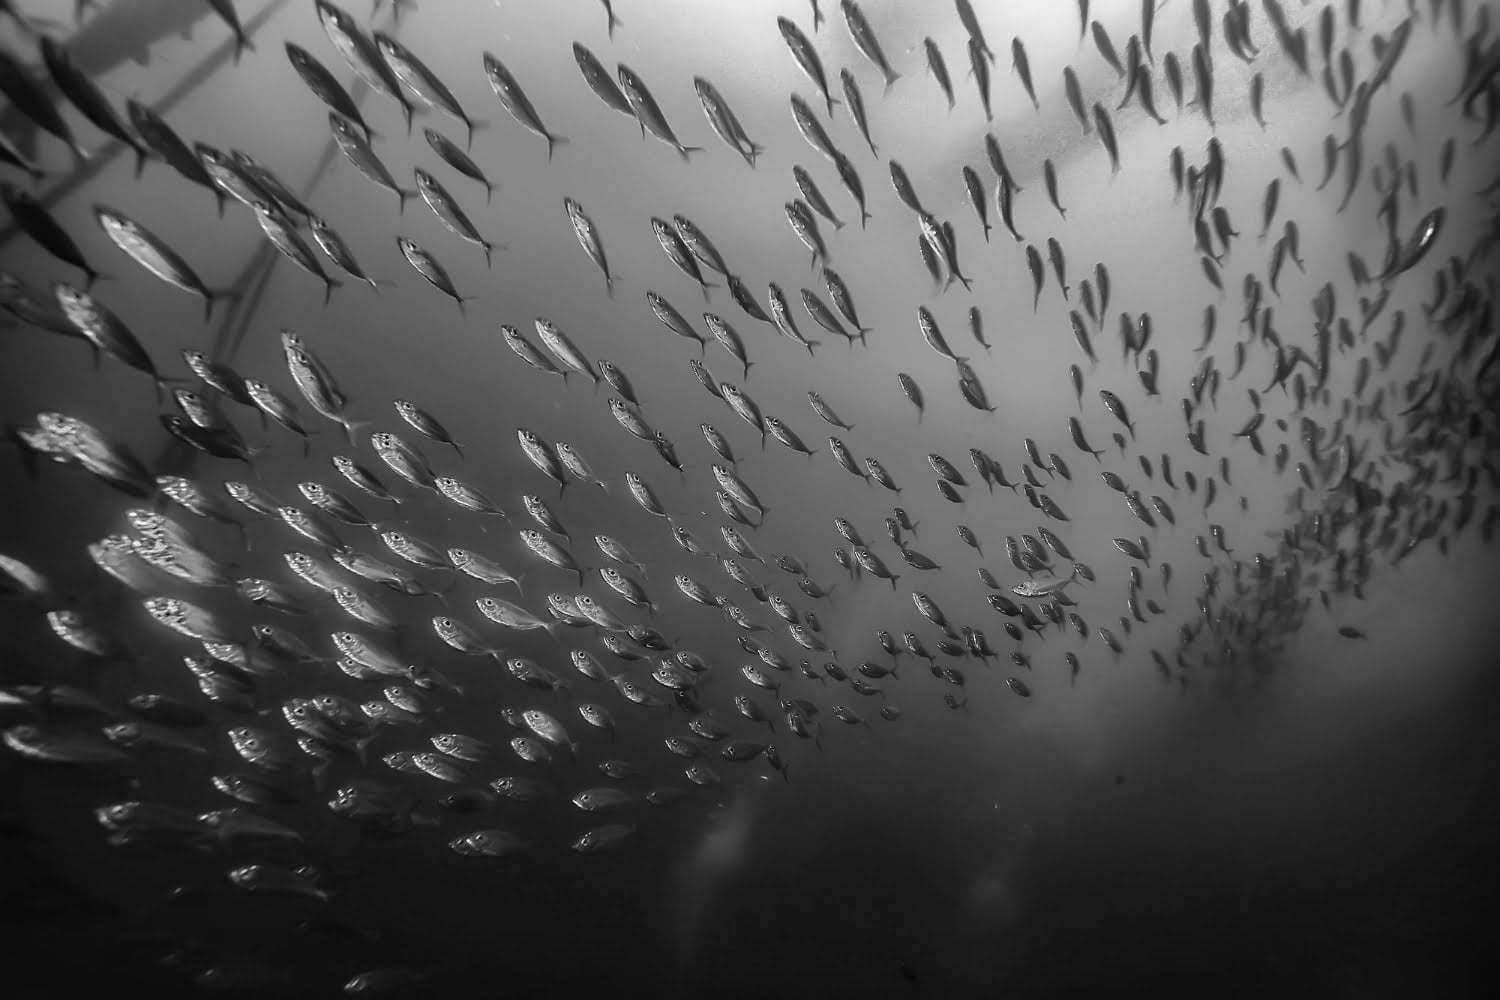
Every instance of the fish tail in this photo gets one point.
(890, 81)
(812, 344)
(349, 428)
(687, 152)
(553, 141)
(487, 248)
(361, 747)
(476, 125)
(90, 276)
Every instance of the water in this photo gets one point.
(1314, 822)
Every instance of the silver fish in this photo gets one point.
(517, 103)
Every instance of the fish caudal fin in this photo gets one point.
(476, 125)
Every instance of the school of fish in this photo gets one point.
(317, 681)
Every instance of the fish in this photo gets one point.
(782, 315)
(866, 41)
(425, 424)
(588, 238)
(674, 320)
(811, 129)
(428, 266)
(562, 347)
(800, 218)
(35, 104)
(356, 149)
(855, 102)
(514, 100)
(458, 160)
(362, 55)
(324, 85)
(446, 208)
(649, 114)
(806, 56)
(980, 69)
(938, 69)
(424, 83)
(38, 223)
(1106, 133)
(285, 238)
(1049, 175)
(1204, 79)
(813, 197)
(85, 95)
(850, 179)
(726, 335)
(337, 250)
(701, 246)
(721, 118)
(1021, 63)
(104, 331)
(602, 83)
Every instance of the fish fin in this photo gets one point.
(361, 747)
(349, 428)
(476, 125)
(212, 295)
(90, 276)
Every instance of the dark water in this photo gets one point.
(1317, 820)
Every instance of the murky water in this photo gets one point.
(1267, 807)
